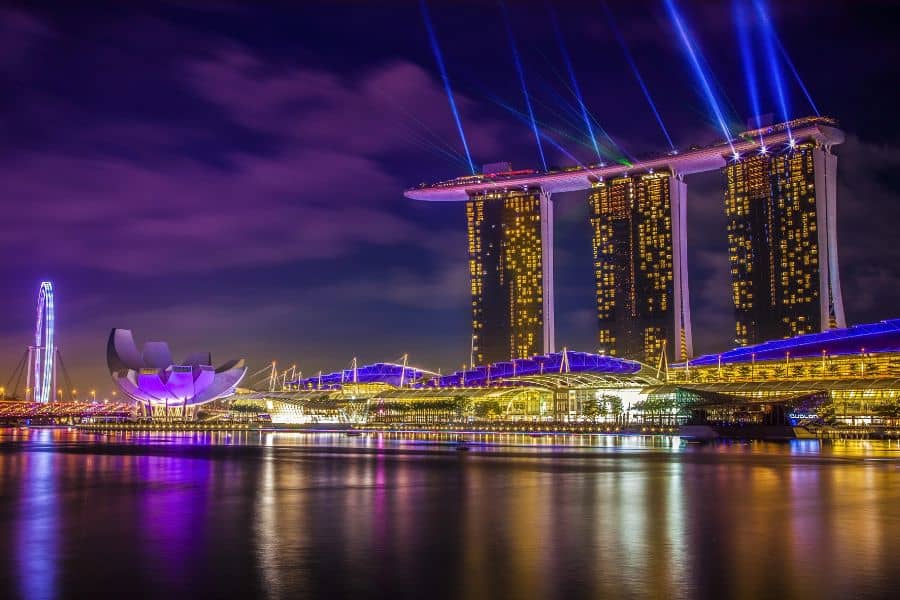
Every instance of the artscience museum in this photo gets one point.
(162, 387)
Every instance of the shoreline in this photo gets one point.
(693, 433)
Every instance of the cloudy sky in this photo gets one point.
(229, 177)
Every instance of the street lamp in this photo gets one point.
(93, 395)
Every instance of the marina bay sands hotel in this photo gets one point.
(780, 204)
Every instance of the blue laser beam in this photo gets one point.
(439, 58)
(772, 58)
(636, 71)
(700, 74)
(740, 18)
(521, 72)
(428, 135)
(790, 64)
(609, 150)
(572, 121)
(522, 116)
(576, 90)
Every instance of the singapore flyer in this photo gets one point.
(44, 350)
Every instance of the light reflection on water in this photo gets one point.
(327, 515)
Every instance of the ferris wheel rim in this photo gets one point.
(44, 343)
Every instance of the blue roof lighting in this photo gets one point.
(496, 373)
(883, 336)
(387, 373)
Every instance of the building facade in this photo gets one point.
(780, 206)
(640, 266)
(511, 267)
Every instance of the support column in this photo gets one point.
(547, 274)
(831, 304)
(684, 344)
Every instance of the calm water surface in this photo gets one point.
(288, 515)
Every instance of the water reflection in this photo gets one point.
(289, 515)
(36, 527)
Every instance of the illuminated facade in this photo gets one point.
(782, 247)
(850, 375)
(510, 263)
(640, 266)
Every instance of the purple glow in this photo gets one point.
(152, 378)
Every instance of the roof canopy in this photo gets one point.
(883, 336)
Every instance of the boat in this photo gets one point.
(353, 433)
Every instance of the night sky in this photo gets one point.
(229, 177)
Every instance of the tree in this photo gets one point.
(486, 409)
(613, 406)
(889, 410)
(462, 407)
(591, 409)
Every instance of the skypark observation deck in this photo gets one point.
(823, 130)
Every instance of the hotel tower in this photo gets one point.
(780, 204)
(510, 235)
(640, 266)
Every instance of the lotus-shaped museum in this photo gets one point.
(151, 377)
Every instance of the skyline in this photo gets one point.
(219, 190)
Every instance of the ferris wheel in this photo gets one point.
(44, 351)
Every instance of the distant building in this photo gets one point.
(511, 267)
(780, 204)
(640, 266)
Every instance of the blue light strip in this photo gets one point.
(578, 362)
(768, 34)
(440, 62)
(740, 19)
(576, 90)
(637, 73)
(698, 69)
(874, 337)
(521, 73)
(388, 373)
